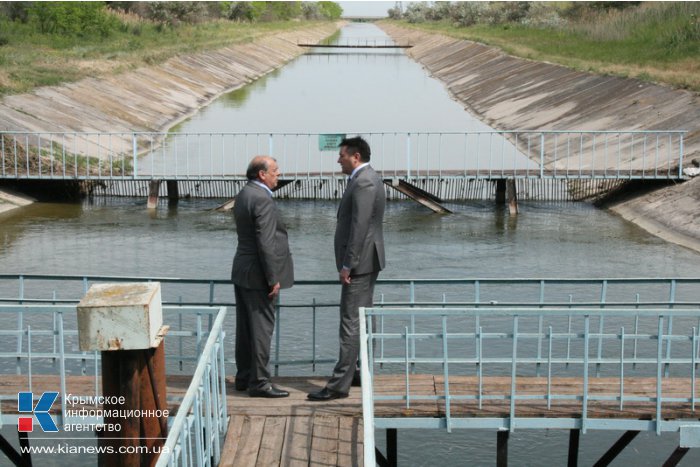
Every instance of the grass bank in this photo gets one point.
(656, 41)
(29, 59)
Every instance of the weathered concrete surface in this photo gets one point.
(10, 200)
(150, 98)
(153, 98)
(511, 93)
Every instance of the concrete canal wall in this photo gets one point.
(510, 93)
(152, 98)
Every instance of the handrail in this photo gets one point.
(514, 338)
(209, 371)
(483, 155)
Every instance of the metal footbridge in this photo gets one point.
(224, 156)
(450, 354)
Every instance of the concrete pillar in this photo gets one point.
(153, 189)
(125, 323)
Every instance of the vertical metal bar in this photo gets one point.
(541, 156)
(446, 374)
(29, 356)
(313, 334)
(408, 155)
(511, 423)
(480, 366)
(669, 333)
(622, 366)
(568, 332)
(680, 155)
(413, 327)
(134, 154)
(671, 303)
(406, 367)
(636, 333)
(222, 376)
(601, 320)
(197, 411)
(586, 338)
(693, 361)
(659, 368)
(549, 371)
(366, 365)
(62, 366)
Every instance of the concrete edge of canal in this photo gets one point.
(511, 93)
(505, 92)
(150, 98)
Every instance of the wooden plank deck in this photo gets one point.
(294, 431)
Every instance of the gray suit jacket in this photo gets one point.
(359, 236)
(262, 256)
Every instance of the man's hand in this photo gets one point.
(344, 276)
(274, 291)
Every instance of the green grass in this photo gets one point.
(657, 42)
(29, 60)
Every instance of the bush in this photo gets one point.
(467, 13)
(81, 19)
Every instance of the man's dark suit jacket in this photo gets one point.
(359, 237)
(262, 257)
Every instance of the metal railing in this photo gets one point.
(512, 343)
(201, 420)
(314, 303)
(45, 342)
(224, 156)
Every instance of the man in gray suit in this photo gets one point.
(359, 256)
(262, 266)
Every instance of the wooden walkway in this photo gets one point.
(294, 431)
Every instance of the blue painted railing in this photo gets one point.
(516, 342)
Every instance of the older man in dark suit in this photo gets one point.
(359, 256)
(262, 266)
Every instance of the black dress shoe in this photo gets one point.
(356, 380)
(239, 386)
(269, 392)
(325, 394)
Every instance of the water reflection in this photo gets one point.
(380, 94)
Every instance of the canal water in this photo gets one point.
(329, 93)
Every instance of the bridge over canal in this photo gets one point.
(427, 166)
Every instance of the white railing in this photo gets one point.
(217, 156)
(200, 424)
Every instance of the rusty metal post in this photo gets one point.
(124, 322)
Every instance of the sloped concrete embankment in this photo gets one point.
(512, 93)
(149, 99)
(153, 98)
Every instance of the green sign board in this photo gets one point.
(329, 142)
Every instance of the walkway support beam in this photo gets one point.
(616, 449)
(574, 436)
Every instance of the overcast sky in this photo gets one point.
(368, 8)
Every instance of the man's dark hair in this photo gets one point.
(255, 166)
(357, 144)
